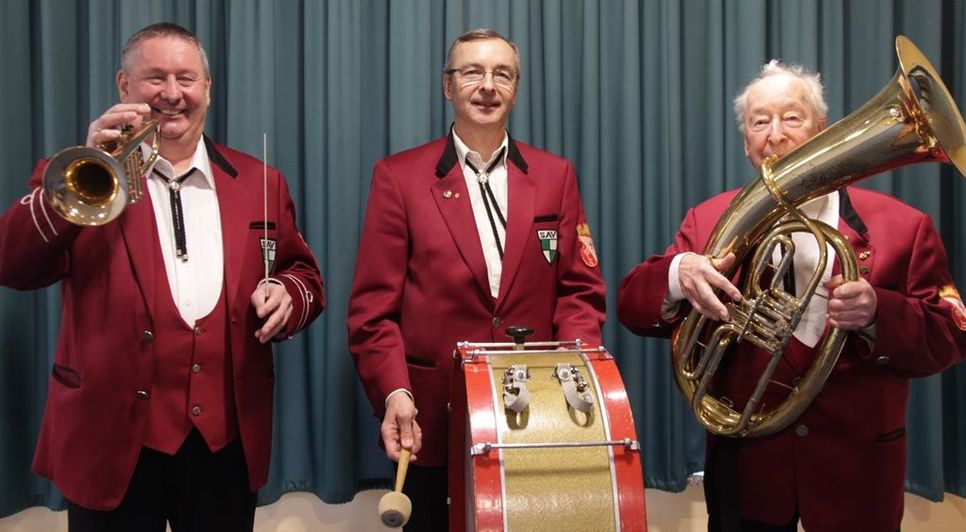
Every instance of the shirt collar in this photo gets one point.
(463, 152)
(199, 162)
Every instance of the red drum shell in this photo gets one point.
(574, 487)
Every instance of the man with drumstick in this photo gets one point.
(841, 464)
(464, 236)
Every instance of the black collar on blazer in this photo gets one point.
(216, 157)
(848, 213)
(449, 157)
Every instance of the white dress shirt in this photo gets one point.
(195, 283)
(498, 183)
(812, 324)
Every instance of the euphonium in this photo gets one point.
(913, 119)
(90, 186)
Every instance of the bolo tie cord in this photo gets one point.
(483, 179)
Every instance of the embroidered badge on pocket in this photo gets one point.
(548, 243)
(268, 251)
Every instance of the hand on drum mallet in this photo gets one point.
(395, 507)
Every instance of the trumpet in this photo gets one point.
(91, 186)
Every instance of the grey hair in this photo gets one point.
(480, 34)
(161, 29)
(812, 80)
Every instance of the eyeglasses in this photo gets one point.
(473, 75)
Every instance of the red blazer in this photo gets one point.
(842, 463)
(102, 376)
(420, 281)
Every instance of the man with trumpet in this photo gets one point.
(160, 403)
(840, 464)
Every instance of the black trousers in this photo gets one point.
(196, 490)
(426, 489)
(721, 493)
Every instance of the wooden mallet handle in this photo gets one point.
(395, 507)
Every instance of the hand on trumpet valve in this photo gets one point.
(699, 276)
(106, 129)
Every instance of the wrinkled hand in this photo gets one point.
(851, 305)
(699, 276)
(399, 428)
(106, 128)
(271, 302)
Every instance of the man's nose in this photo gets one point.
(487, 83)
(776, 132)
(171, 90)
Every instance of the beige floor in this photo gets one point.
(666, 512)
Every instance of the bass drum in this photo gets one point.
(541, 437)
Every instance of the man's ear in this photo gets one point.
(123, 85)
(448, 86)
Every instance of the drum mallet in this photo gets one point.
(395, 507)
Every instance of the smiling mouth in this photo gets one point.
(167, 112)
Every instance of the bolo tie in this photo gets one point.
(483, 179)
(177, 212)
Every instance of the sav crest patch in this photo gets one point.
(587, 252)
(268, 251)
(951, 295)
(548, 243)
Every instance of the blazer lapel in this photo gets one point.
(453, 202)
(232, 195)
(137, 225)
(855, 230)
(521, 192)
(233, 198)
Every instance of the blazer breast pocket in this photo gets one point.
(546, 233)
(66, 376)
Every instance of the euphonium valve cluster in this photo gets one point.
(913, 119)
(91, 186)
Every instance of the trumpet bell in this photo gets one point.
(89, 186)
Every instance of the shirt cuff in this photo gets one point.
(394, 392)
(674, 292)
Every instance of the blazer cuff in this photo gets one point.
(302, 299)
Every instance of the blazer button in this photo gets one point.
(864, 255)
(801, 430)
(497, 322)
(195, 368)
(882, 361)
(147, 336)
(196, 410)
(142, 394)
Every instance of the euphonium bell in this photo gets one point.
(913, 119)
(90, 186)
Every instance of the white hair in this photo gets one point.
(812, 80)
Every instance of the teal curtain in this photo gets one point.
(637, 93)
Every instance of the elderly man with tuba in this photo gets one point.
(801, 377)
